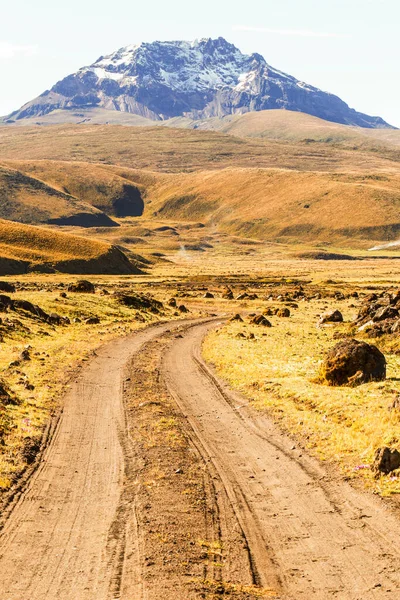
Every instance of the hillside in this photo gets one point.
(292, 126)
(284, 206)
(268, 204)
(28, 199)
(166, 150)
(25, 248)
(203, 78)
(93, 185)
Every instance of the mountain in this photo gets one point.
(201, 79)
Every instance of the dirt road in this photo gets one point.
(308, 535)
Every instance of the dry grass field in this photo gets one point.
(26, 248)
(174, 150)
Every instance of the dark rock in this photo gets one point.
(6, 286)
(208, 295)
(331, 317)
(182, 308)
(236, 317)
(386, 460)
(353, 359)
(25, 355)
(172, 302)
(283, 312)
(6, 396)
(384, 313)
(228, 294)
(140, 302)
(30, 449)
(92, 321)
(83, 286)
(260, 320)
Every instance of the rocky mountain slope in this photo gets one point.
(200, 79)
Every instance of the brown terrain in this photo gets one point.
(147, 467)
(168, 428)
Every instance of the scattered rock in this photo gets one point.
(261, 320)
(386, 460)
(140, 302)
(92, 321)
(283, 312)
(352, 362)
(172, 302)
(82, 286)
(228, 294)
(6, 396)
(182, 308)
(384, 313)
(331, 317)
(208, 295)
(6, 286)
(25, 355)
(236, 317)
(63, 295)
(30, 449)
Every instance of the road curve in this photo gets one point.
(55, 543)
(309, 535)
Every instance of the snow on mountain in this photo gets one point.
(204, 78)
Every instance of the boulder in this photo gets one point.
(283, 312)
(92, 321)
(386, 460)
(260, 320)
(182, 308)
(172, 302)
(208, 295)
(351, 362)
(83, 286)
(140, 302)
(228, 294)
(6, 397)
(236, 317)
(384, 313)
(334, 316)
(6, 286)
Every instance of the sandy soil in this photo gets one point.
(121, 509)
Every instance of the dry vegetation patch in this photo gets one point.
(278, 368)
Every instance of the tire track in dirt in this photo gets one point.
(309, 534)
(56, 542)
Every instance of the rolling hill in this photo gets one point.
(30, 200)
(25, 248)
(175, 150)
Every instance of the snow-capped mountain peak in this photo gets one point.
(200, 78)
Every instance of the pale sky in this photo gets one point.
(347, 47)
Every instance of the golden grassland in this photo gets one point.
(174, 150)
(343, 209)
(295, 126)
(278, 371)
(29, 200)
(279, 205)
(37, 244)
(90, 183)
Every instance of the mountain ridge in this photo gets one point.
(201, 79)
